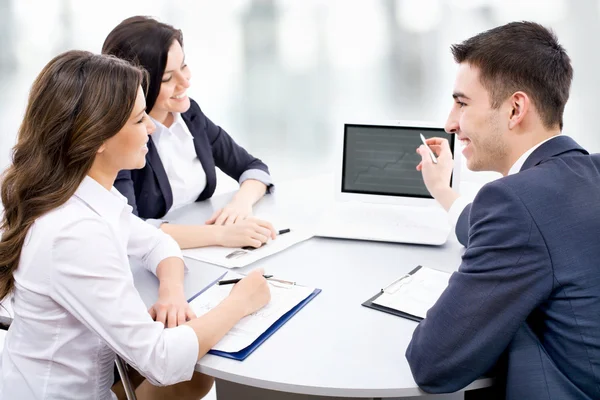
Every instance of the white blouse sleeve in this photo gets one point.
(92, 280)
(149, 244)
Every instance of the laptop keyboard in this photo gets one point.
(421, 225)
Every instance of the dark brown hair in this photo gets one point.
(77, 102)
(521, 56)
(145, 42)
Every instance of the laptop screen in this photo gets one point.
(382, 160)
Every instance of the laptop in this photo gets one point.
(380, 195)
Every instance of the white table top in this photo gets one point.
(333, 346)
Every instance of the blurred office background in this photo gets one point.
(282, 76)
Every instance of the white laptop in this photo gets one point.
(380, 195)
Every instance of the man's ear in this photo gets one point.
(519, 107)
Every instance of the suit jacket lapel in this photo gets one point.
(552, 148)
(202, 147)
(153, 160)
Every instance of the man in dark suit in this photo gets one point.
(526, 297)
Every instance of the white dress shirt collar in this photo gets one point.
(107, 204)
(162, 130)
(461, 202)
(519, 163)
(178, 120)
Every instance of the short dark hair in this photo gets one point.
(522, 56)
(145, 42)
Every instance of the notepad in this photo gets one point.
(411, 295)
(238, 257)
(253, 329)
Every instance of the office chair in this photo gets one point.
(4, 325)
(5, 322)
(127, 386)
(121, 366)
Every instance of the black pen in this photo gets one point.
(234, 281)
(281, 232)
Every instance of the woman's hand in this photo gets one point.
(248, 232)
(252, 292)
(171, 308)
(233, 212)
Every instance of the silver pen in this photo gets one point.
(430, 151)
(281, 281)
(246, 249)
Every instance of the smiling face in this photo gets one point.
(127, 149)
(481, 129)
(175, 82)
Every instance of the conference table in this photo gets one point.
(333, 347)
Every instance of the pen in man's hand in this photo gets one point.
(428, 148)
(234, 281)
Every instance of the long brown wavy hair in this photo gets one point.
(76, 103)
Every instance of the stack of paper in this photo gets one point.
(415, 293)
(236, 257)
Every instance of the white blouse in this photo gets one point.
(75, 304)
(175, 146)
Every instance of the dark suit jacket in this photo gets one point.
(528, 288)
(148, 190)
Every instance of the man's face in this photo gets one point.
(480, 128)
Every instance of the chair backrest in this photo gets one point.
(4, 325)
(5, 322)
(122, 368)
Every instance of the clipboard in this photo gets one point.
(369, 303)
(245, 352)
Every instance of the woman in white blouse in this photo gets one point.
(67, 236)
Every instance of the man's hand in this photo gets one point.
(437, 176)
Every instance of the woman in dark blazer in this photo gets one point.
(186, 147)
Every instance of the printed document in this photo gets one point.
(238, 257)
(415, 294)
(284, 297)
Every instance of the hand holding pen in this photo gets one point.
(267, 277)
(436, 175)
(434, 150)
(433, 158)
(280, 232)
(252, 292)
(246, 249)
(248, 232)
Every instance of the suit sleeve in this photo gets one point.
(124, 184)
(462, 226)
(233, 159)
(506, 272)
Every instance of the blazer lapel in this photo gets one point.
(202, 147)
(552, 148)
(153, 160)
